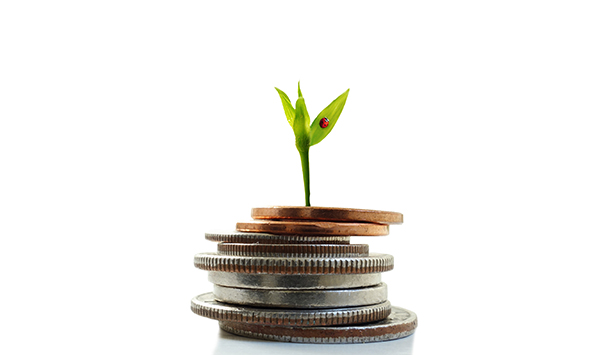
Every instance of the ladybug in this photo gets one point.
(324, 122)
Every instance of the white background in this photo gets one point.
(130, 128)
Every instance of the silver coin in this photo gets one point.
(276, 281)
(205, 305)
(374, 263)
(401, 323)
(302, 298)
(249, 237)
(294, 250)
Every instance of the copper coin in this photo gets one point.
(290, 250)
(401, 323)
(327, 214)
(294, 265)
(266, 238)
(294, 227)
(205, 305)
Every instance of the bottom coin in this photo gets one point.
(401, 323)
(205, 305)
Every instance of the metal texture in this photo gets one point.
(401, 323)
(327, 214)
(205, 305)
(266, 238)
(293, 227)
(302, 298)
(290, 282)
(373, 263)
(294, 250)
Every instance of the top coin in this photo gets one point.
(327, 214)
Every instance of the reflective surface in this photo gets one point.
(351, 297)
(228, 344)
(287, 282)
(205, 305)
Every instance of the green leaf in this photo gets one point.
(290, 113)
(301, 127)
(299, 92)
(332, 113)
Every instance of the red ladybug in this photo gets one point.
(324, 122)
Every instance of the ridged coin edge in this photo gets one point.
(303, 250)
(266, 238)
(305, 318)
(319, 266)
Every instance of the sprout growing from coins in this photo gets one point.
(292, 275)
(307, 134)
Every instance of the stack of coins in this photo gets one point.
(292, 275)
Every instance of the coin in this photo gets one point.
(205, 305)
(327, 214)
(401, 323)
(270, 265)
(244, 237)
(291, 250)
(302, 298)
(276, 281)
(294, 227)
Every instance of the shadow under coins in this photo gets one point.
(228, 344)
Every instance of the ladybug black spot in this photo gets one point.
(324, 122)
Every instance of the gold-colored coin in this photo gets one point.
(327, 214)
(294, 227)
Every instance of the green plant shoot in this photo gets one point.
(308, 134)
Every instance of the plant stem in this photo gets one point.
(306, 175)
